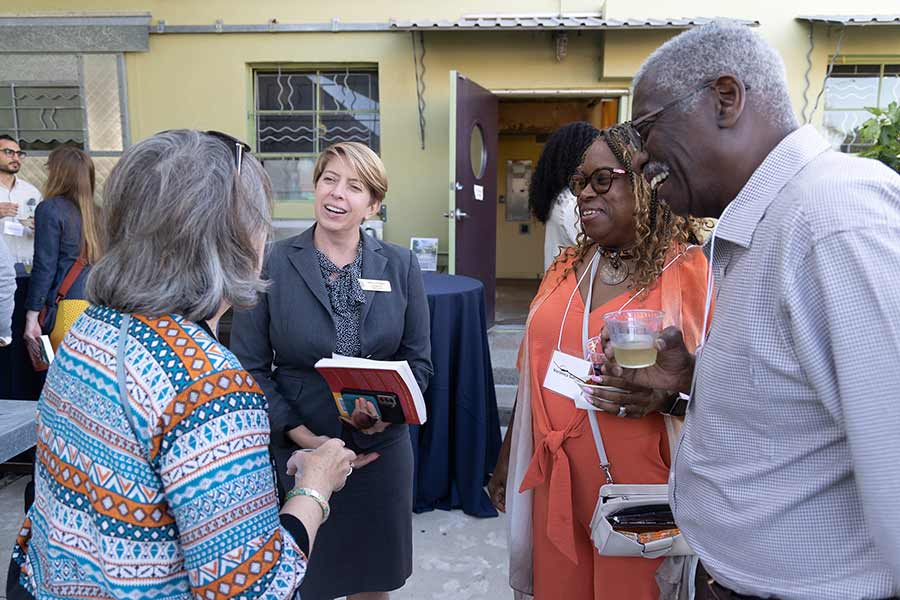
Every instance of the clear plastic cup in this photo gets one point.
(633, 335)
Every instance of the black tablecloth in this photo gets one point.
(457, 448)
(18, 380)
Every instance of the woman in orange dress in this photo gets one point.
(554, 476)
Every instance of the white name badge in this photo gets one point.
(13, 227)
(558, 379)
(375, 285)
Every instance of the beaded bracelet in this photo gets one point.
(311, 493)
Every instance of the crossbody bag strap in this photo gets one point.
(592, 418)
(70, 278)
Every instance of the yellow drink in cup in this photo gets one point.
(633, 335)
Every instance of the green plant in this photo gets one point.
(883, 132)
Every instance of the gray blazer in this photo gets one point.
(281, 338)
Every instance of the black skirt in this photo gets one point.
(366, 544)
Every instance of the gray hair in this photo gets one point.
(723, 46)
(179, 228)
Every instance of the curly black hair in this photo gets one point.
(561, 155)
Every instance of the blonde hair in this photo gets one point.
(364, 161)
(72, 177)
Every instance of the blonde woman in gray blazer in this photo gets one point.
(317, 306)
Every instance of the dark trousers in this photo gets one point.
(710, 589)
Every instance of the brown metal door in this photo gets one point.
(473, 182)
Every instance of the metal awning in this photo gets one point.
(553, 22)
(75, 32)
(852, 20)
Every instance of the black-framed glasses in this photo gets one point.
(642, 124)
(600, 180)
(237, 147)
(10, 152)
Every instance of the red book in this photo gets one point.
(387, 389)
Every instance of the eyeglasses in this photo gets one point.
(9, 152)
(237, 147)
(600, 180)
(642, 125)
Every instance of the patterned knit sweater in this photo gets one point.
(181, 505)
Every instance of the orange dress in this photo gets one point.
(564, 472)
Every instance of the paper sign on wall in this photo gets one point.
(479, 192)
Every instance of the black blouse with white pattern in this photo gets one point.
(347, 298)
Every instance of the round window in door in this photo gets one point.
(477, 152)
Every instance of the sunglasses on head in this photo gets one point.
(237, 147)
(600, 180)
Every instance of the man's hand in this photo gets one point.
(633, 401)
(673, 371)
(8, 209)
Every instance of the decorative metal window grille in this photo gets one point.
(849, 90)
(43, 116)
(299, 113)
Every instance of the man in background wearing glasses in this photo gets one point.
(18, 199)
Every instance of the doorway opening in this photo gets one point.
(524, 126)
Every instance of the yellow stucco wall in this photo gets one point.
(519, 255)
(202, 80)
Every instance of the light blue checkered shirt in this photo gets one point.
(787, 479)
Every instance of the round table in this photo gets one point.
(456, 450)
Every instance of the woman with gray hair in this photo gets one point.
(153, 476)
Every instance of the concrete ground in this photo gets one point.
(457, 557)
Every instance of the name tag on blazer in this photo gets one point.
(375, 285)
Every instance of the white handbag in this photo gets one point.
(616, 497)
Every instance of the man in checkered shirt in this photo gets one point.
(786, 481)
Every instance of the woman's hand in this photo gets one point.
(365, 417)
(33, 331)
(324, 469)
(304, 438)
(497, 484)
(674, 368)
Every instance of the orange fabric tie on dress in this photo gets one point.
(549, 457)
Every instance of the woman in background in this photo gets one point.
(549, 197)
(64, 230)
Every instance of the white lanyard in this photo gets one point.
(595, 428)
(590, 296)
